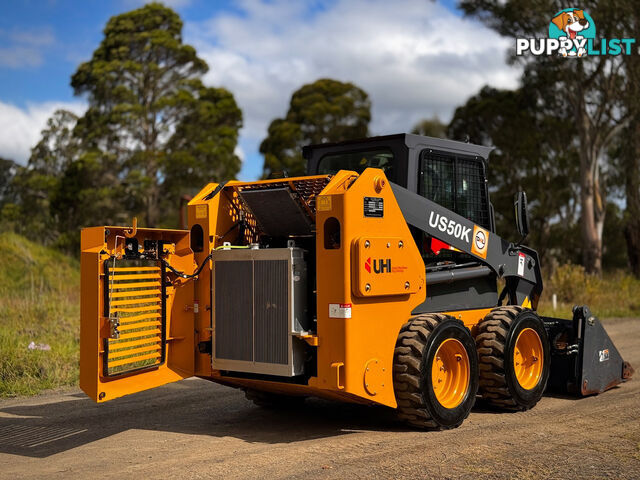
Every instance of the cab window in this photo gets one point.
(357, 161)
(456, 182)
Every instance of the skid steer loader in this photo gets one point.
(373, 280)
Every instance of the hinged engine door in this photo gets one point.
(137, 315)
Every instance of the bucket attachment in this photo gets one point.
(584, 360)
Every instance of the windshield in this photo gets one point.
(357, 161)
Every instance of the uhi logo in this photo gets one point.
(382, 265)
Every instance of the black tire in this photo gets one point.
(273, 400)
(495, 342)
(416, 347)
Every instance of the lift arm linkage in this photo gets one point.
(518, 264)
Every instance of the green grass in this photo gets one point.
(615, 294)
(39, 302)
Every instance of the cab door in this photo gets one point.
(137, 314)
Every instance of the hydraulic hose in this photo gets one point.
(204, 262)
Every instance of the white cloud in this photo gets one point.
(20, 127)
(414, 58)
(25, 47)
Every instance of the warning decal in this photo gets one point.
(521, 259)
(201, 211)
(480, 242)
(339, 310)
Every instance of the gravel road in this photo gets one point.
(197, 429)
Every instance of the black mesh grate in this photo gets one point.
(458, 183)
(307, 189)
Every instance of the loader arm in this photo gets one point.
(519, 265)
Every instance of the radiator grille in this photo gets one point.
(253, 312)
(234, 309)
(271, 311)
(135, 310)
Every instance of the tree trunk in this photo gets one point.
(153, 192)
(591, 204)
(632, 190)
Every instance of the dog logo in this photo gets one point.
(573, 28)
(572, 34)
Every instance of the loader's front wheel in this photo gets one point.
(513, 352)
(435, 372)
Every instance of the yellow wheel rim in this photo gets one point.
(450, 373)
(528, 358)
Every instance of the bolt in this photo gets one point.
(367, 244)
(458, 357)
(388, 245)
(591, 321)
(367, 369)
(535, 359)
(367, 287)
(366, 385)
(406, 285)
(400, 244)
(101, 396)
(439, 380)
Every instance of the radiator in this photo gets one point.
(259, 304)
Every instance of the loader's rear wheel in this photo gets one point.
(273, 400)
(513, 351)
(435, 372)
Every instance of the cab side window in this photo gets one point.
(456, 182)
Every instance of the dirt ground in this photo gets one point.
(197, 429)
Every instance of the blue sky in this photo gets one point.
(415, 58)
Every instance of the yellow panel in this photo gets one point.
(118, 363)
(140, 276)
(139, 334)
(135, 293)
(136, 309)
(381, 266)
(134, 285)
(133, 351)
(116, 346)
(135, 301)
(371, 328)
(135, 269)
(137, 318)
(136, 325)
(99, 244)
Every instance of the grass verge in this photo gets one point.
(614, 294)
(39, 302)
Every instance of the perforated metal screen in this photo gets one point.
(456, 182)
